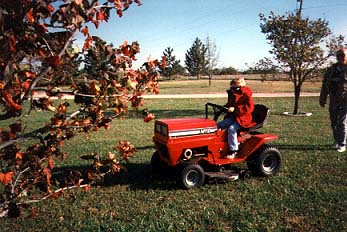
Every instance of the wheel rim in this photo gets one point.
(192, 177)
(270, 163)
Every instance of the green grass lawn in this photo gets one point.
(217, 86)
(308, 194)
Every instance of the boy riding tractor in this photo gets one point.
(195, 148)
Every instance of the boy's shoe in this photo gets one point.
(341, 148)
(231, 155)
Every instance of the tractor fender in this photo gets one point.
(252, 144)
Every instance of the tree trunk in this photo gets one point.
(297, 90)
(209, 80)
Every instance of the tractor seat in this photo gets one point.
(260, 115)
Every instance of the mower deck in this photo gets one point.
(223, 175)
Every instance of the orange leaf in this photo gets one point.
(48, 175)
(50, 163)
(50, 8)
(86, 188)
(10, 103)
(88, 42)
(29, 74)
(149, 117)
(118, 4)
(19, 155)
(85, 31)
(78, 2)
(26, 85)
(2, 85)
(29, 16)
(163, 62)
(6, 178)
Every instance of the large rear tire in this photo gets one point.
(265, 162)
(191, 176)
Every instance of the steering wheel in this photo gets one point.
(217, 110)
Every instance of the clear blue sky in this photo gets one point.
(232, 24)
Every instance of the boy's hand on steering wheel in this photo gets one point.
(231, 109)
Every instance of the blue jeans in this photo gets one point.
(232, 127)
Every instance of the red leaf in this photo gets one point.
(26, 85)
(120, 13)
(40, 52)
(96, 23)
(12, 44)
(16, 127)
(54, 61)
(100, 15)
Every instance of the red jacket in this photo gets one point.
(244, 106)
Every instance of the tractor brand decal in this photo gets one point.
(197, 131)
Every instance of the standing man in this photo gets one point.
(335, 85)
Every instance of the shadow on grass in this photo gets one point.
(138, 176)
(135, 176)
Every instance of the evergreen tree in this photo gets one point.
(173, 66)
(196, 62)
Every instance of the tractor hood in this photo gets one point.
(188, 126)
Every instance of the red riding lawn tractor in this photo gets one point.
(195, 148)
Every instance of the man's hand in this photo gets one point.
(231, 109)
(322, 104)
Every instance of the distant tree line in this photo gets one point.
(201, 59)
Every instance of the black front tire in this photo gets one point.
(191, 176)
(265, 162)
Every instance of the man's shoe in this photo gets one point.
(341, 149)
(231, 155)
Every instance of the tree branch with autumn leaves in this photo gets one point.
(36, 40)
